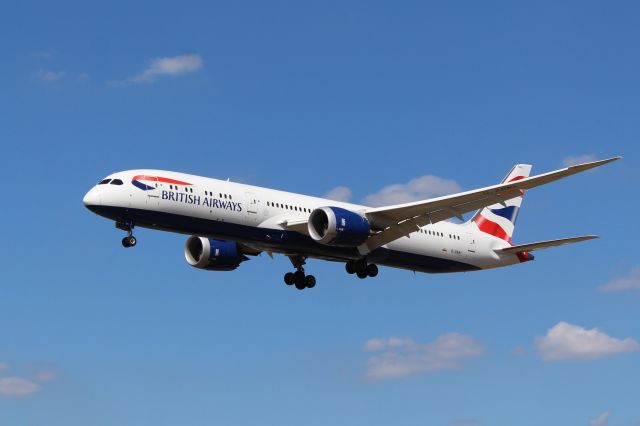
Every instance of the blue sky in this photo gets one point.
(308, 97)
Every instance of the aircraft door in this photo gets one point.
(153, 195)
(471, 244)
(251, 205)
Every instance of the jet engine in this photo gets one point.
(335, 226)
(213, 255)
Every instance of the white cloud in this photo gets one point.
(630, 282)
(45, 376)
(44, 54)
(416, 189)
(601, 420)
(402, 357)
(17, 386)
(578, 159)
(566, 341)
(339, 193)
(168, 66)
(49, 76)
(372, 345)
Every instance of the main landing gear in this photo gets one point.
(298, 278)
(129, 240)
(361, 268)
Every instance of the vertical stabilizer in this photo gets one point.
(500, 220)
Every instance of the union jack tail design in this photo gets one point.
(500, 220)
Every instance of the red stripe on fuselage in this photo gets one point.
(160, 179)
(491, 228)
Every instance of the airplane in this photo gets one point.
(227, 222)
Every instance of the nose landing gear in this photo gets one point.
(129, 240)
(299, 278)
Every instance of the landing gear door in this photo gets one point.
(471, 244)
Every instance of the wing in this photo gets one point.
(545, 244)
(298, 225)
(401, 220)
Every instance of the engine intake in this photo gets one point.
(338, 227)
(213, 255)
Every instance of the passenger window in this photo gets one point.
(104, 181)
(116, 182)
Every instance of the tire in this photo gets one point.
(361, 267)
(361, 274)
(372, 270)
(125, 242)
(299, 280)
(310, 281)
(132, 241)
(350, 267)
(289, 278)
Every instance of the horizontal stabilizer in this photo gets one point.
(545, 244)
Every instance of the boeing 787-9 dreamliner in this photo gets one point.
(228, 221)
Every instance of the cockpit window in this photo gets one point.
(116, 182)
(104, 181)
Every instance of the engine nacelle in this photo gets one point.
(213, 255)
(338, 227)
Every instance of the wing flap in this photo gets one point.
(545, 244)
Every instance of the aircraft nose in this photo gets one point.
(91, 198)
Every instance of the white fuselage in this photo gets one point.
(254, 216)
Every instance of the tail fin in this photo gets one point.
(499, 219)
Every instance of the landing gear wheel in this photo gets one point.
(361, 267)
(299, 279)
(372, 270)
(350, 267)
(289, 278)
(361, 274)
(310, 281)
(129, 241)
